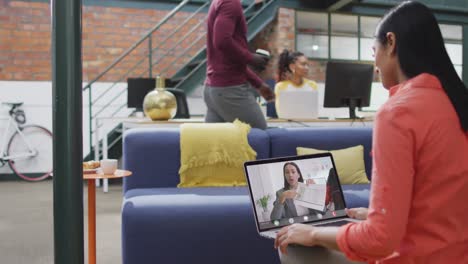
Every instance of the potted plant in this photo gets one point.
(263, 202)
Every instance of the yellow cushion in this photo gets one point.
(216, 175)
(214, 154)
(349, 163)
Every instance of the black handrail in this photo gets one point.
(153, 49)
(167, 17)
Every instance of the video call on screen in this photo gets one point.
(316, 193)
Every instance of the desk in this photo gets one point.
(92, 207)
(277, 122)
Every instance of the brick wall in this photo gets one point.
(279, 35)
(25, 40)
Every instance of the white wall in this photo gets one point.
(37, 98)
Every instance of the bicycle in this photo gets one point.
(29, 148)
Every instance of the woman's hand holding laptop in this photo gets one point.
(306, 235)
(298, 234)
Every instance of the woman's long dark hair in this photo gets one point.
(285, 58)
(286, 183)
(420, 49)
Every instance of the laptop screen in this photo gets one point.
(299, 189)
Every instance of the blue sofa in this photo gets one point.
(165, 224)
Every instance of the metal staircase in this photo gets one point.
(184, 60)
(258, 16)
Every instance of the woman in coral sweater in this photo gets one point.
(417, 211)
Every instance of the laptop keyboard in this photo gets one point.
(272, 233)
(336, 223)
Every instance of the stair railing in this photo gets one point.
(246, 10)
(262, 6)
(178, 28)
(151, 62)
(148, 37)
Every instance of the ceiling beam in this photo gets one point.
(337, 5)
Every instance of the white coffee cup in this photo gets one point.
(108, 166)
(263, 52)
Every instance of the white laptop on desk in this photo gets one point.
(300, 104)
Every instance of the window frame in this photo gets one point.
(359, 37)
(329, 29)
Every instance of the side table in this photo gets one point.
(91, 177)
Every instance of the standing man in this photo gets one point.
(228, 90)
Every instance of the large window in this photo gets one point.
(452, 35)
(312, 34)
(326, 36)
(344, 37)
(350, 37)
(335, 36)
(366, 36)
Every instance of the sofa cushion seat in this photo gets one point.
(165, 224)
(356, 195)
(188, 218)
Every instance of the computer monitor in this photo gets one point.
(136, 91)
(182, 106)
(348, 85)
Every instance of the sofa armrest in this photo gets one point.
(192, 225)
(153, 155)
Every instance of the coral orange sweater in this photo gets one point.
(419, 192)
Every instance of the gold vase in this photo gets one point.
(160, 104)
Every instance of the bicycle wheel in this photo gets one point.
(39, 166)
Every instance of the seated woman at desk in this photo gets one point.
(293, 68)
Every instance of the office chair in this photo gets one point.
(270, 107)
(182, 107)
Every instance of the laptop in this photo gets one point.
(319, 198)
(298, 104)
